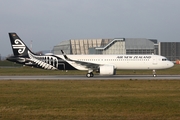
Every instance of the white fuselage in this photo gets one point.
(134, 62)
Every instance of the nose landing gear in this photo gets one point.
(154, 73)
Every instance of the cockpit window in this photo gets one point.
(164, 59)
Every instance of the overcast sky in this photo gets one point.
(48, 22)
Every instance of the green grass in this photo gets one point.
(90, 100)
(37, 71)
(8, 63)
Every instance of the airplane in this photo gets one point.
(103, 64)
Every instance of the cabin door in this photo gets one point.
(154, 60)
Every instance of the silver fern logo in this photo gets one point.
(19, 45)
(45, 62)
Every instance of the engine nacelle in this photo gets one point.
(107, 70)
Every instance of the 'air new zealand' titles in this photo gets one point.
(104, 64)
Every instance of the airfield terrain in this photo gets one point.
(88, 99)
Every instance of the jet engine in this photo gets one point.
(107, 70)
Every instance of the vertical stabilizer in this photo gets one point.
(18, 46)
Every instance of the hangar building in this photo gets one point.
(107, 46)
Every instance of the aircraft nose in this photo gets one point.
(170, 64)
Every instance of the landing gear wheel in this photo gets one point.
(89, 75)
(92, 75)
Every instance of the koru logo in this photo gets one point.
(19, 45)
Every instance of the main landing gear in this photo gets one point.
(154, 73)
(90, 74)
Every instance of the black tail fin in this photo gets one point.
(18, 46)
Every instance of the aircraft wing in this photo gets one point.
(86, 64)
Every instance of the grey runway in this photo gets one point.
(97, 77)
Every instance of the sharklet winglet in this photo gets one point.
(65, 56)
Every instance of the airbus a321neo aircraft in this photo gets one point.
(104, 64)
